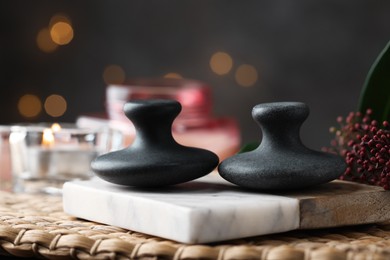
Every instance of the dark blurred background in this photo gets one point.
(317, 52)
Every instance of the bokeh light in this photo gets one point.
(29, 106)
(56, 127)
(246, 75)
(221, 63)
(114, 74)
(61, 33)
(173, 75)
(55, 105)
(44, 41)
(59, 18)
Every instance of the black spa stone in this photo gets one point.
(154, 159)
(281, 162)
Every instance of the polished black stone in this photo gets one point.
(281, 161)
(154, 159)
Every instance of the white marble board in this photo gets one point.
(211, 209)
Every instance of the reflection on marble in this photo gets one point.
(206, 210)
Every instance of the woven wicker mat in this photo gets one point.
(35, 226)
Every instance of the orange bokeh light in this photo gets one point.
(113, 74)
(29, 106)
(221, 63)
(246, 75)
(61, 33)
(55, 105)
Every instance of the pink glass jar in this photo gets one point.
(195, 126)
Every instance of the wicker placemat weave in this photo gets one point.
(36, 226)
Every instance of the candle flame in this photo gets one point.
(55, 127)
(48, 137)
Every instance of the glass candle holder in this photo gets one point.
(44, 158)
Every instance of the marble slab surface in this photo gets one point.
(211, 209)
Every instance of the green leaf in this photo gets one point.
(376, 89)
(249, 147)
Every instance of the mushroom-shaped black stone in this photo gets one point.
(281, 161)
(154, 159)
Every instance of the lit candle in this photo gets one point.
(61, 157)
(47, 138)
(48, 157)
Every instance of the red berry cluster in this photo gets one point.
(365, 145)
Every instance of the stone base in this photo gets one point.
(211, 209)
